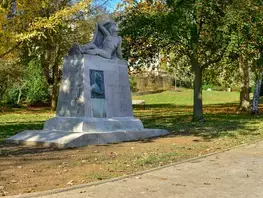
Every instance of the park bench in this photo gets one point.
(139, 102)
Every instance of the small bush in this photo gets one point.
(214, 87)
(133, 84)
(36, 85)
(10, 76)
(207, 86)
(12, 97)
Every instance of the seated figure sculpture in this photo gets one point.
(106, 42)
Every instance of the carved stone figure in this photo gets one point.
(106, 42)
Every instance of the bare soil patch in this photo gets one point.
(29, 169)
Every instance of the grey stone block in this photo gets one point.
(62, 139)
(96, 111)
(92, 124)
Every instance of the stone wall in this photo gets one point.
(152, 81)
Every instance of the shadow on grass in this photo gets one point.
(23, 110)
(221, 121)
(12, 128)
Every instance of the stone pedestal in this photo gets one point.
(94, 107)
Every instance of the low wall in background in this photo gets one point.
(152, 82)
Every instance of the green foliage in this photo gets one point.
(199, 34)
(207, 86)
(244, 25)
(192, 30)
(133, 83)
(36, 85)
(43, 30)
(183, 28)
(12, 97)
(10, 75)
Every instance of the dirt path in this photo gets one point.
(26, 169)
(235, 173)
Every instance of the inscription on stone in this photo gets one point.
(97, 84)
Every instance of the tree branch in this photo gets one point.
(217, 59)
(201, 22)
(10, 50)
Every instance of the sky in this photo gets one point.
(113, 3)
(110, 4)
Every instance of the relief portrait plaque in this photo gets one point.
(97, 84)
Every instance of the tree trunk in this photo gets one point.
(20, 93)
(198, 102)
(46, 64)
(244, 102)
(55, 85)
(19, 96)
(254, 108)
(175, 88)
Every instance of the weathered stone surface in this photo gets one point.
(62, 139)
(82, 119)
(71, 102)
(106, 42)
(94, 103)
(75, 97)
(91, 125)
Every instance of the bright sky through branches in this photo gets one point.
(113, 3)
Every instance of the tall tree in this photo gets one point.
(258, 82)
(195, 27)
(244, 24)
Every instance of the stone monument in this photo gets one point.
(94, 103)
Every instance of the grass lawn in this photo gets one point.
(185, 97)
(28, 169)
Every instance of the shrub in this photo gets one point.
(207, 86)
(12, 97)
(36, 85)
(133, 84)
(10, 76)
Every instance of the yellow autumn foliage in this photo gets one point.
(33, 19)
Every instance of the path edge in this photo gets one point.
(96, 183)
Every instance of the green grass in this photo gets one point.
(156, 158)
(17, 120)
(168, 110)
(185, 97)
(173, 111)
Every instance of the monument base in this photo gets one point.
(63, 139)
(92, 125)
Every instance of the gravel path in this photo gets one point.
(235, 173)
